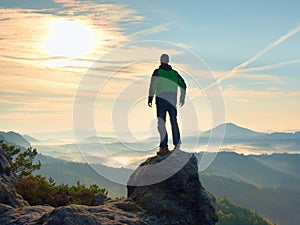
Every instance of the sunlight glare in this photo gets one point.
(70, 39)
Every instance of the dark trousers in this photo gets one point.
(161, 116)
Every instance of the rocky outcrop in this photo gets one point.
(112, 212)
(26, 215)
(178, 197)
(8, 194)
(79, 214)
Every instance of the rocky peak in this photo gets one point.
(178, 197)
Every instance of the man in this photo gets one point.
(164, 85)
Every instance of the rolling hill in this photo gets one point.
(14, 138)
(259, 170)
(279, 202)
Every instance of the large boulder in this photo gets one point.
(178, 196)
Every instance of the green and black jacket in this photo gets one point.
(164, 85)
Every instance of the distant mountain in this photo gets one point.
(65, 134)
(232, 131)
(261, 171)
(282, 135)
(15, 138)
(278, 170)
(30, 139)
(93, 139)
(286, 163)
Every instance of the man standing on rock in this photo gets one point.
(164, 85)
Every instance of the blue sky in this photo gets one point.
(48, 46)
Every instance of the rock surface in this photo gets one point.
(8, 194)
(180, 197)
(112, 212)
(79, 214)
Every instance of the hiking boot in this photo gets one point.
(176, 147)
(162, 151)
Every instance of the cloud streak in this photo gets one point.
(241, 67)
(267, 49)
(153, 30)
(273, 66)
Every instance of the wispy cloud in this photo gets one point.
(247, 75)
(39, 88)
(232, 93)
(19, 38)
(99, 11)
(195, 92)
(153, 30)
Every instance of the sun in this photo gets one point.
(69, 38)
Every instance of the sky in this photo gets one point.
(63, 61)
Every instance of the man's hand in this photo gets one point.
(181, 104)
(150, 104)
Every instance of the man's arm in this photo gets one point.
(182, 85)
(152, 88)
